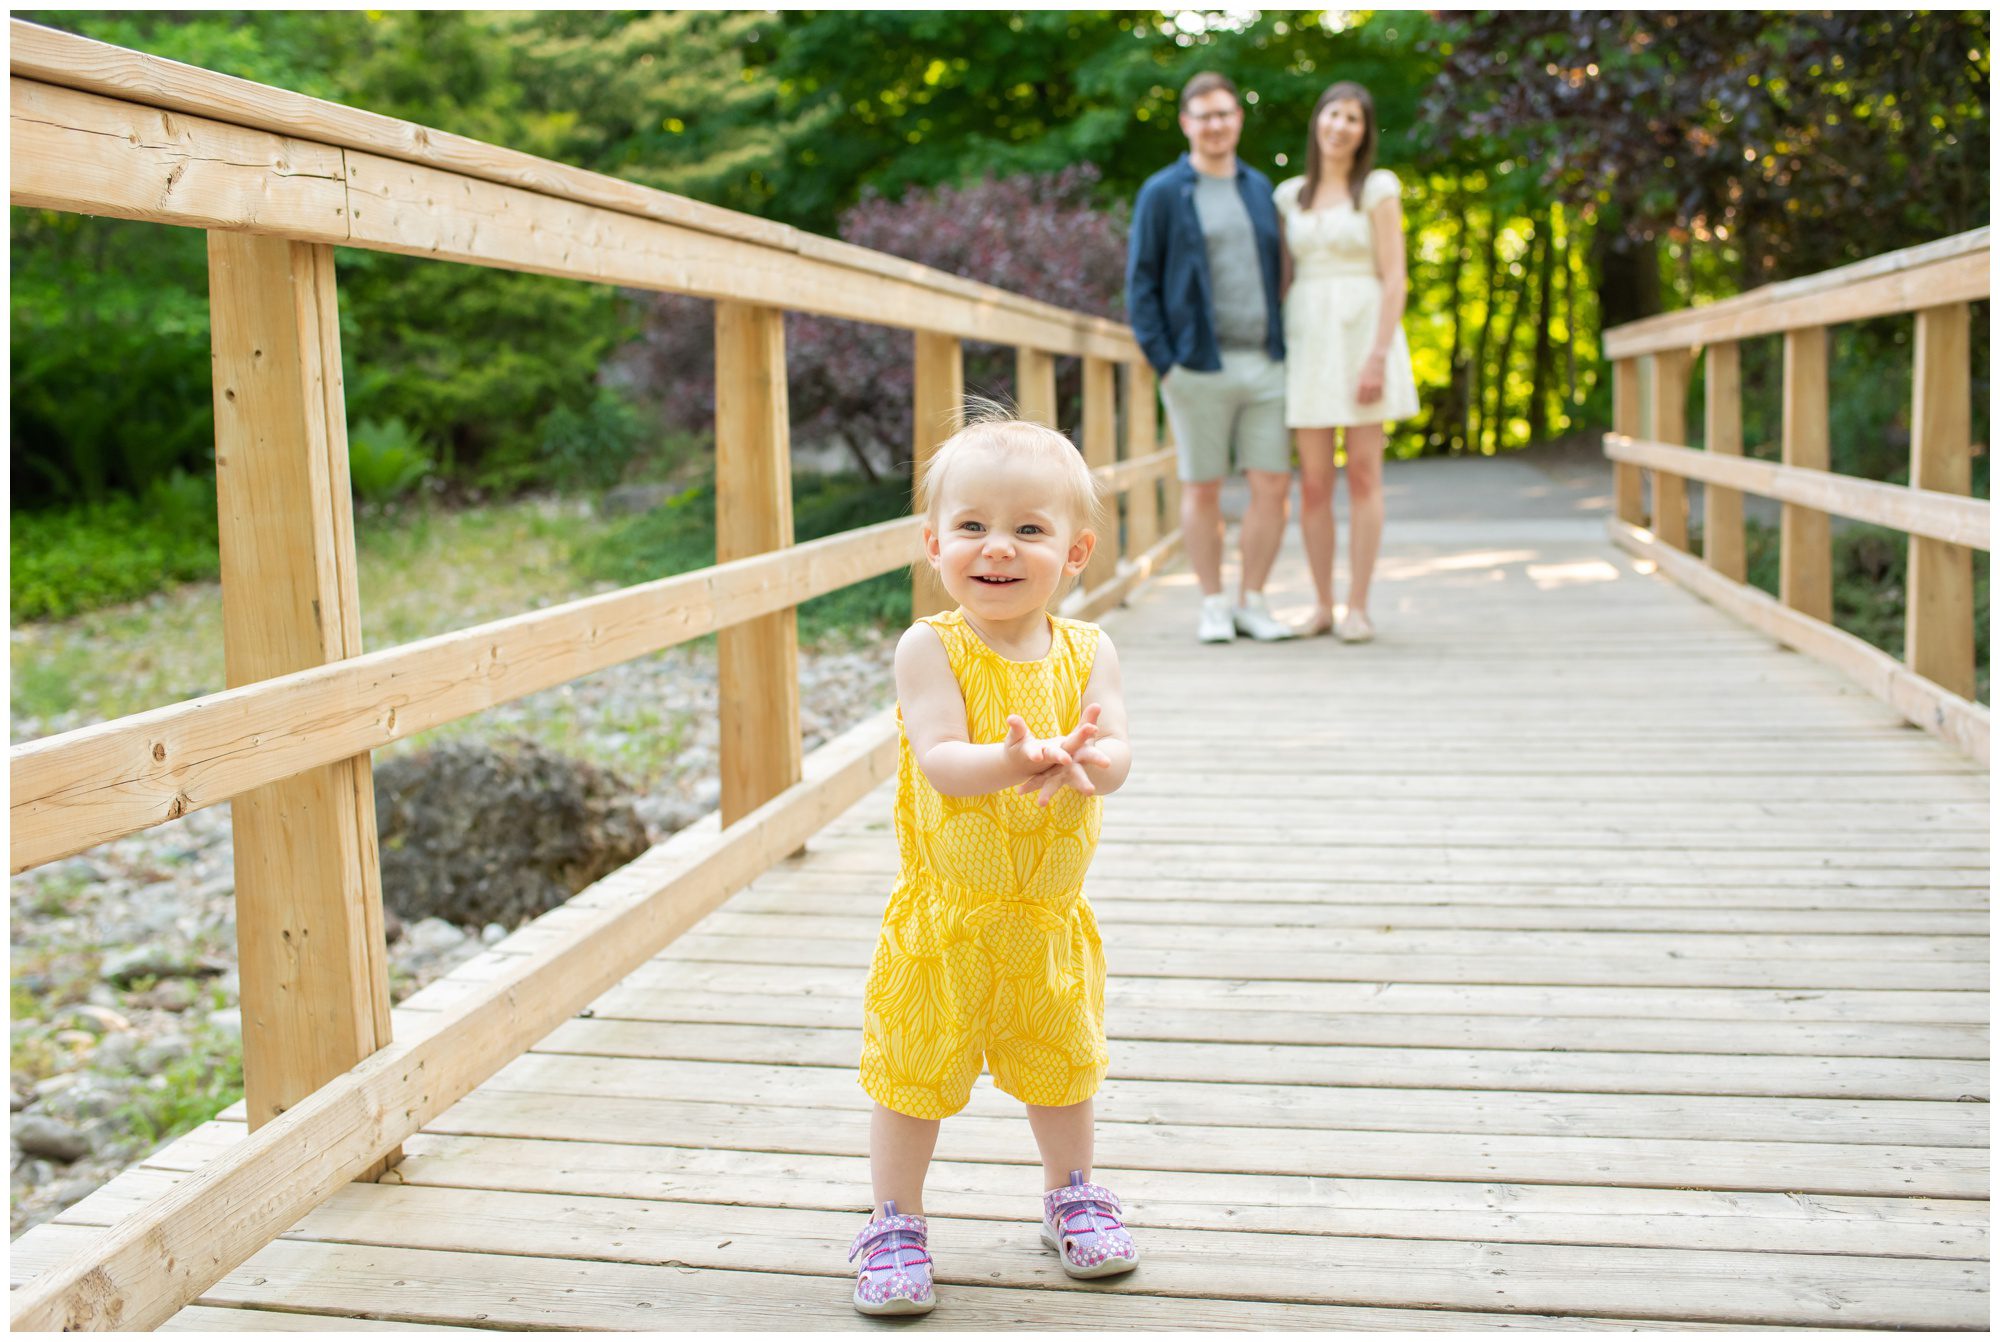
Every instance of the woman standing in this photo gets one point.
(1347, 365)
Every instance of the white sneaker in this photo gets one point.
(1254, 618)
(1215, 625)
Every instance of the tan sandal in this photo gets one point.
(1354, 628)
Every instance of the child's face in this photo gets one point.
(1001, 540)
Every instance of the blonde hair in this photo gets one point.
(993, 427)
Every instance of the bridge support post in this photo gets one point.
(1938, 643)
(1627, 489)
(1035, 385)
(1805, 541)
(1722, 509)
(1100, 448)
(315, 994)
(1142, 439)
(1667, 416)
(940, 410)
(757, 661)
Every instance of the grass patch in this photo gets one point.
(679, 535)
(189, 1091)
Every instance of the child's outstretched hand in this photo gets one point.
(1076, 755)
(1036, 754)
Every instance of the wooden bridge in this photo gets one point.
(1575, 956)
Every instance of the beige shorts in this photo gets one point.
(1237, 411)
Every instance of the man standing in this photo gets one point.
(1201, 289)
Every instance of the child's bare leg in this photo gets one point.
(899, 1155)
(1066, 1137)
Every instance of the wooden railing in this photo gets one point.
(278, 180)
(1934, 686)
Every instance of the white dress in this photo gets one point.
(1331, 310)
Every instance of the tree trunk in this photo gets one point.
(1538, 393)
(1498, 417)
(1569, 314)
(1446, 417)
(1476, 371)
(1628, 275)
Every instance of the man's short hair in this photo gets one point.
(1208, 81)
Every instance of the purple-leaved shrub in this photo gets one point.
(1037, 234)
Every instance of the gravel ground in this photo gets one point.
(123, 1017)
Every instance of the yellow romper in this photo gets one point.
(988, 946)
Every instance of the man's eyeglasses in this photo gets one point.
(1203, 118)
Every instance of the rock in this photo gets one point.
(492, 934)
(16, 1101)
(116, 1053)
(104, 1019)
(48, 1138)
(229, 1021)
(168, 1048)
(75, 1038)
(102, 994)
(167, 995)
(57, 1084)
(392, 926)
(432, 936)
(154, 961)
(71, 1191)
(475, 835)
(628, 499)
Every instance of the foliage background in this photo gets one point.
(1561, 170)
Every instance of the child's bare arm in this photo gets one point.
(934, 720)
(1107, 690)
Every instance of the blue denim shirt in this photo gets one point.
(1168, 297)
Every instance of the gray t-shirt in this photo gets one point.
(1241, 321)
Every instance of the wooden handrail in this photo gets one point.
(1921, 512)
(1950, 270)
(80, 788)
(1937, 283)
(84, 787)
(53, 57)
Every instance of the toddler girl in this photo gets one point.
(1013, 725)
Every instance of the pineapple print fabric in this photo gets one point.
(989, 949)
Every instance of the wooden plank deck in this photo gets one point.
(1569, 958)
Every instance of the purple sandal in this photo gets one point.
(1080, 1222)
(895, 1276)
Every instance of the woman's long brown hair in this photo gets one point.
(1364, 153)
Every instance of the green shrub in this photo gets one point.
(592, 447)
(386, 458)
(679, 535)
(70, 560)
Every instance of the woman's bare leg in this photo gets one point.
(1364, 508)
(1316, 525)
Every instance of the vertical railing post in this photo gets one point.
(940, 409)
(757, 661)
(1938, 643)
(1667, 423)
(1100, 448)
(1035, 385)
(1805, 545)
(310, 948)
(1142, 439)
(1626, 488)
(1722, 509)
